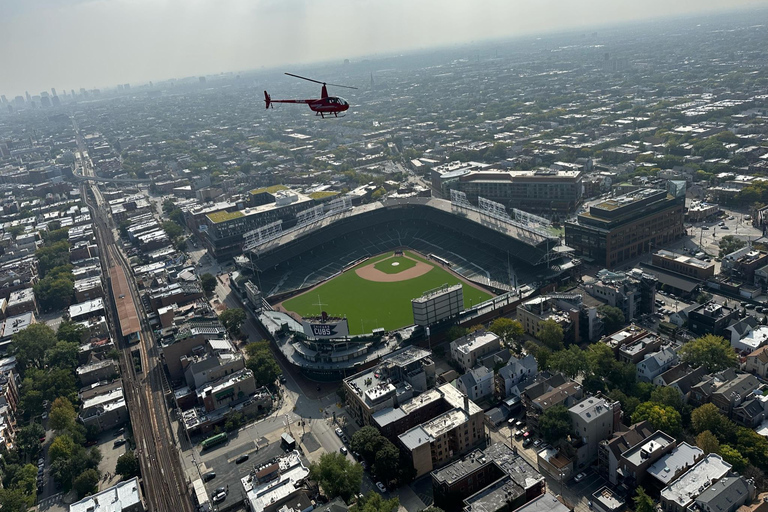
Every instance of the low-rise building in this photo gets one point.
(711, 318)
(85, 310)
(512, 378)
(566, 394)
(634, 462)
(733, 392)
(20, 302)
(655, 364)
(539, 309)
(605, 500)
(610, 451)
(682, 264)
(269, 487)
(97, 370)
(633, 292)
(682, 493)
(725, 495)
(122, 497)
(393, 381)
(669, 467)
(104, 407)
(467, 349)
(460, 483)
(757, 362)
(441, 439)
(545, 503)
(477, 383)
(594, 419)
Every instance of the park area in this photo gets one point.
(377, 293)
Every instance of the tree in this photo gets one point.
(670, 396)
(570, 362)
(708, 442)
(729, 244)
(29, 345)
(375, 502)
(714, 352)
(54, 292)
(86, 483)
(643, 502)
(337, 475)
(542, 354)
(551, 334)
(232, 319)
(367, 442)
(15, 500)
(709, 417)
(386, 463)
(63, 414)
(752, 446)
(70, 331)
(28, 438)
(127, 465)
(600, 360)
(209, 283)
(63, 355)
(613, 318)
(733, 457)
(61, 448)
(172, 229)
(661, 417)
(508, 330)
(264, 367)
(52, 255)
(555, 423)
(703, 297)
(628, 403)
(455, 332)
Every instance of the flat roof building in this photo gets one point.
(680, 494)
(121, 497)
(620, 229)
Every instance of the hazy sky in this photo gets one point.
(95, 43)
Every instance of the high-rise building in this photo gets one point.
(53, 91)
(29, 98)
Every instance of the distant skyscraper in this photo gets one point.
(29, 98)
(73, 93)
(119, 87)
(202, 79)
(53, 91)
(56, 101)
(45, 101)
(371, 80)
(3, 99)
(19, 101)
(127, 87)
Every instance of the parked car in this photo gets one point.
(518, 434)
(339, 432)
(283, 380)
(527, 442)
(119, 442)
(219, 496)
(343, 450)
(537, 443)
(578, 478)
(344, 440)
(380, 487)
(241, 459)
(209, 476)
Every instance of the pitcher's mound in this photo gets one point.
(371, 273)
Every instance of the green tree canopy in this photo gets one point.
(455, 332)
(613, 318)
(28, 438)
(62, 447)
(337, 475)
(661, 417)
(63, 355)
(127, 465)
(15, 500)
(29, 346)
(729, 244)
(70, 331)
(367, 441)
(232, 319)
(666, 395)
(63, 414)
(643, 502)
(86, 483)
(551, 334)
(708, 442)
(733, 457)
(570, 362)
(600, 360)
(172, 229)
(753, 446)
(208, 281)
(386, 463)
(375, 502)
(713, 352)
(55, 291)
(263, 365)
(510, 331)
(52, 255)
(555, 423)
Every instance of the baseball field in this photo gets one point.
(378, 292)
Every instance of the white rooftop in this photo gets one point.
(123, 495)
(685, 489)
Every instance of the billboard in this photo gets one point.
(439, 304)
(325, 327)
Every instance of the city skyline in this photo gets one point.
(143, 41)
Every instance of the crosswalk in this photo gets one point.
(51, 501)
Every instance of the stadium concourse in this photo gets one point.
(475, 249)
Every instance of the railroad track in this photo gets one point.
(165, 486)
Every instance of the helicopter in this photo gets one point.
(322, 106)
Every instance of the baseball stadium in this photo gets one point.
(366, 264)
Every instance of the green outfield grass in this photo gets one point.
(369, 305)
(402, 264)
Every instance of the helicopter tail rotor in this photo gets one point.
(267, 99)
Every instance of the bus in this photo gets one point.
(214, 440)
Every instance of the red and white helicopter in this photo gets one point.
(322, 106)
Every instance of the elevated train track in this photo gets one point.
(164, 483)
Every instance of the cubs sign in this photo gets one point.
(326, 328)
